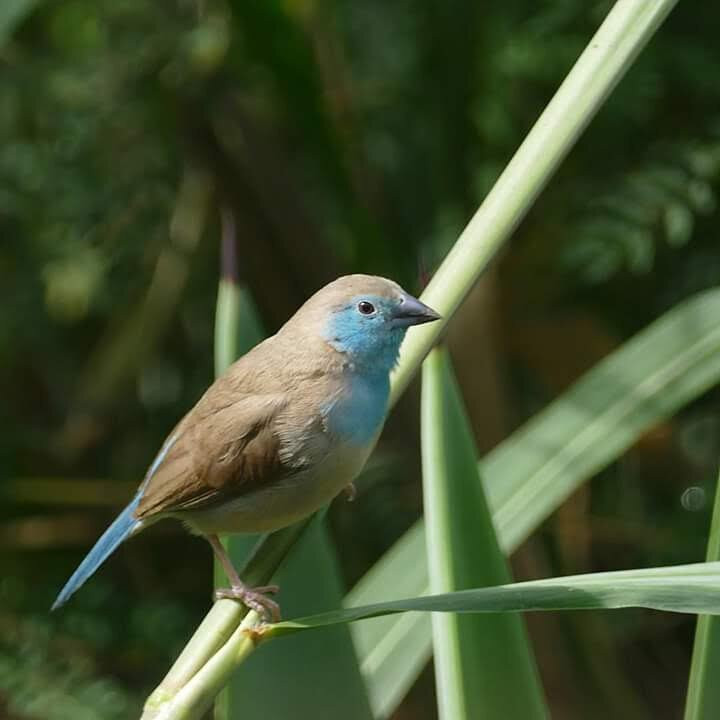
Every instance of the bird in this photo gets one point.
(280, 433)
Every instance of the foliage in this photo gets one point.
(345, 136)
(484, 665)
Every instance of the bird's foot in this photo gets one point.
(254, 598)
(350, 492)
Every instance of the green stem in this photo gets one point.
(217, 632)
(626, 30)
(196, 696)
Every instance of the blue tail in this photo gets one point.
(121, 527)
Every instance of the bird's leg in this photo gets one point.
(254, 598)
(350, 492)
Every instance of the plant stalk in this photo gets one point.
(611, 51)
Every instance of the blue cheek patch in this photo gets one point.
(367, 340)
(353, 333)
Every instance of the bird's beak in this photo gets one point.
(411, 311)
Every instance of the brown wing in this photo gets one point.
(216, 453)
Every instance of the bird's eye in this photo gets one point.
(365, 307)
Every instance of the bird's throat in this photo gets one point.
(356, 415)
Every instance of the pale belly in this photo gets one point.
(286, 502)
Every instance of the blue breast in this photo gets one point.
(358, 413)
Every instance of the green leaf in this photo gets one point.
(232, 339)
(530, 474)
(393, 650)
(691, 588)
(703, 697)
(483, 663)
(227, 326)
(319, 671)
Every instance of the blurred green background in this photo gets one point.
(340, 137)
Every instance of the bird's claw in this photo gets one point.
(350, 492)
(254, 598)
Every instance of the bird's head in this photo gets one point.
(366, 317)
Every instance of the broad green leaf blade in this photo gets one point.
(232, 339)
(703, 698)
(392, 650)
(237, 330)
(530, 474)
(691, 588)
(318, 671)
(483, 663)
(309, 581)
(227, 326)
(662, 368)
